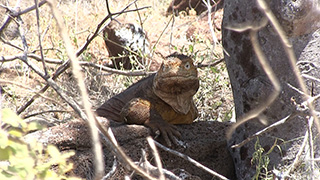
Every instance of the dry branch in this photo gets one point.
(190, 160)
(30, 89)
(76, 69)
(112, 171)
(43, 112)
(265, 130)
(157, 157)
(39, 38)
(216, 62)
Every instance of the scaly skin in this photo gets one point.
(160, 100)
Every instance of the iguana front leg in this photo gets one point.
(140, 111)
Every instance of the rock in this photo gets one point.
(251, 87)
(127, 44)
(202, 141)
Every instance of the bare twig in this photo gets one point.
(2, 81)
(297, 160)
(171, 32)
(164, 29)
(39, 38)
(113, 169)
(157, 157)
(310, 141)
(59, 71)
(10, 44)
(111, 141)
(85, 63)
(265, 130)
(148, 167)
(14, 13)
(108, 9)
(194, 162)
(216, 62)
(116, 71)
(32, 7)
(213, 35)
(44, 112)
(76, 69)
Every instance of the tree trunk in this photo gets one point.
(252, 87)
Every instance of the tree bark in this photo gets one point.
(251, 86)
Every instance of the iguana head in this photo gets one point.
(176, 82)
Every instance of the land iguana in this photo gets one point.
(159, 100)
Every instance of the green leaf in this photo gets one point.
(16, 132)
(4, 153)
(9, 117)
(6, 175)
(3, 139)
(32, 126)
(53, 152)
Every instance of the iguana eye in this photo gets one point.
(187, 65)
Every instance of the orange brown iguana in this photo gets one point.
(159, 100)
